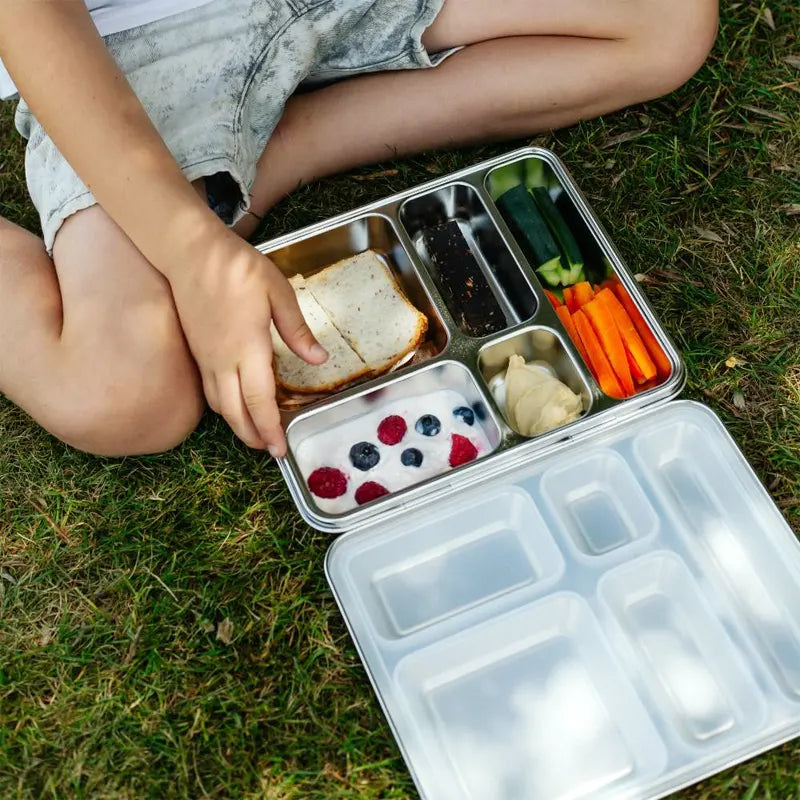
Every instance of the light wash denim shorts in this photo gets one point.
(215, 79)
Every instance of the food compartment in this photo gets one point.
(582, 258)
(686, 659)
(733, 528)
(534, 382)
(410, 430)
(529, 704)
(595, 307)
(478, 278)
(598, 502)
(485, 549)
(347, 311)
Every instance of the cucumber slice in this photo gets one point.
(528, 226)
(505, 178)
(562, 234)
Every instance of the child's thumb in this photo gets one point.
(295, 332)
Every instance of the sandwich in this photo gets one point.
(359, 314)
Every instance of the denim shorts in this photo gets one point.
(214, 81)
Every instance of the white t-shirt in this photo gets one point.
(113, 16)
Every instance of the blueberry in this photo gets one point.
(465, 414)
(411, 457)
(480, 410)
(428, 425)
(364, 456)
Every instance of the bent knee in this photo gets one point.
(671, 49)
(131, 408)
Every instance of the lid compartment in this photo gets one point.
(681, 651)
(599, 504)
(528, 705)
(490, 547)
(699, 487)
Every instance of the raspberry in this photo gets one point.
(370, 491)
(392, 429)
(461, 450)
(327, 482)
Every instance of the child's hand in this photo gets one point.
(225, 291)
(225, 301)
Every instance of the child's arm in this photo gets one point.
(224, 289)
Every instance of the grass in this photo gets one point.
(166, 630)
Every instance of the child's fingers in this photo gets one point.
(292, 326)
(232, 407)
(258, 394)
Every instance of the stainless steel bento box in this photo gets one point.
(393, 227)
(607, 610)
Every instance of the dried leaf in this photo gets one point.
(708, 235)
(46, 636)
(734, 361)
(792, 209)
(433, 169)
(792, 61)
(225, 631)
(206, 625)
(765, 112)
(669, 276)
(618, 177)
(133, 645)
(738, 400)
(384, 173)
(766, 15)
(628, 136)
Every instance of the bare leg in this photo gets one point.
(90, 344)
(527, 66)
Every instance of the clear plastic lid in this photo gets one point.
(619, 619)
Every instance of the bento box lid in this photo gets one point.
(615, 619)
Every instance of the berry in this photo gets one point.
(370, 491)
(411, 457)
(392, 429)
(461, 450)
(480, 410)
(428, 425)
(465, 414)
(364, 456)
(327, 482)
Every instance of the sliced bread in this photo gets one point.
(343, 365)
(364, 302)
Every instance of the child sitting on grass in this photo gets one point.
(154, 149)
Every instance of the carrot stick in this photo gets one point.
(659, 357)
(598, 362)
(583, 293)
(630, 338)
(569, 299)
(569, 325)
(606, 330)
(554, 301)
(636, 373)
